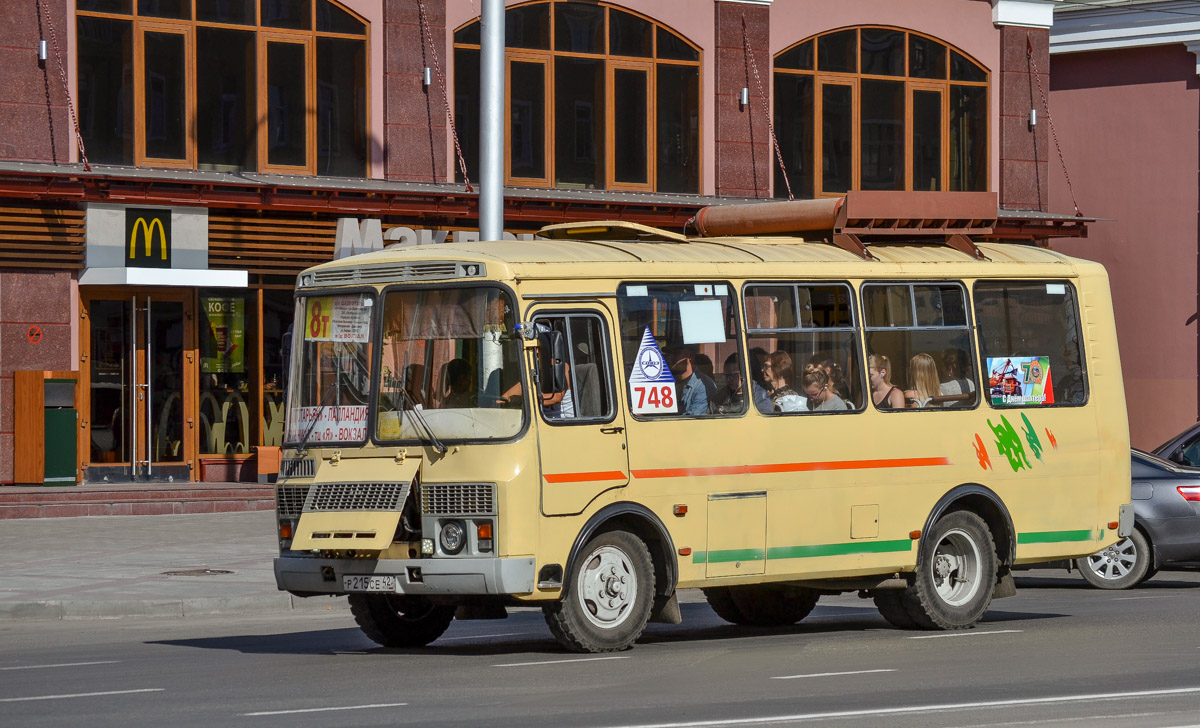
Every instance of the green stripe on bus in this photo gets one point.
(839, 549)
(721, 557)
(1055, 536)
(699, 557)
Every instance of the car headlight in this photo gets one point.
(453, 537)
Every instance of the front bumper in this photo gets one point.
(308, 576)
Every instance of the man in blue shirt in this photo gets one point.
(692, 390)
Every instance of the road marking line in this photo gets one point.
(933, 708)
(80, 695)
(559, 662)
(324, 710)
(1157, 596)
(61, 664)
(965, 634)
(830, 674)
(482, 636)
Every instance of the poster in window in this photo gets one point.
(223, 340)
(1020, 380)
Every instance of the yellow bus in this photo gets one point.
(888, 404)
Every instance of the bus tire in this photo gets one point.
(609, 595)
(396, 620)
(1123, 565)
(890, 603)
(720, 598)
(956, 573)
(774, 605)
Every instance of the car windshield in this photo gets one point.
(1155, 461)
(329, 392)
(453, 353)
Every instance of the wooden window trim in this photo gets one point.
(547, 62)
(610, 131)
(942, 86)
(310, 110)
(140, 157)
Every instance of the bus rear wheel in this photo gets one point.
(890, 603)
(610, 592)
(396, 620)
(956, 574)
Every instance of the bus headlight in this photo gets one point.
(453, 537)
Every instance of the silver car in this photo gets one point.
(1166, 506)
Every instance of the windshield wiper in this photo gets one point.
(408, 402)
(333, 387)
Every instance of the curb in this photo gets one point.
(64, 609)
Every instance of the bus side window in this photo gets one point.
(588, 397)
(1030, 343)
(805, 337)
(924, 331)
(673, 338)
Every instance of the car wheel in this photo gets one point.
(890, 604)
(956, 574)
(1120, 566)
(774, 605)
(396, 620)
(609, 597)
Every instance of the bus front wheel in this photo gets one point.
(610, 592)
(395, 620)
(956, 574)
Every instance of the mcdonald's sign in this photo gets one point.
(147, 237)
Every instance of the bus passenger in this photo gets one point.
(778, 373)
(691, 390)
(731, 396)
(884, 394)
(819, 391)
(824, 360)
(759, 389)
(957, 367)
(923, 381)
(459, 389)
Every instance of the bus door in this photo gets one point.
(581, 439)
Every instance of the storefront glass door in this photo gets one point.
(139, 422)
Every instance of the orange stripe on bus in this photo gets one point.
(790, 467)
(583, 477)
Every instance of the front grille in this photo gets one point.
(458, 499)
(392, 272)
(297, 468)
(289, 500)
(357, 497)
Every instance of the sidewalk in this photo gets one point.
(154, 566)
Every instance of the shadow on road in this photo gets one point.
(525, 633)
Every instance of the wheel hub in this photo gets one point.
(607, 587)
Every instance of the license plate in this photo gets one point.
(369, 584)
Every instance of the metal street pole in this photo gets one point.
(491, 127)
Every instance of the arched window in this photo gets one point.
(259, 85)
(585, 81)
(875, 108)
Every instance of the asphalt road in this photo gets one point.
(1057, 654)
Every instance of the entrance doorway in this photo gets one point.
(138, 372)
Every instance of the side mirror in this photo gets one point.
(552, 361)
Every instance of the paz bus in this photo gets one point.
(790, 400)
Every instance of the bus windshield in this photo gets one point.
(329, 395)
(451, 352)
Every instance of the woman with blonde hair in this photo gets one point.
(884, 394)
(923, 378)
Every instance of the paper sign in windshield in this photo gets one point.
(347, 423)
(1020, 380)
(336, 318)
(702, 322)
(651, 384)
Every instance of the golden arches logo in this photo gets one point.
(147, 229)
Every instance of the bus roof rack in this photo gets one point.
(865, 217)
(615, 230)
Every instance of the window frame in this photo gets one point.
(973, 338)
(611, 62)
(854, 329)
(606, 360)
(911, 83)
(1080, 336)
(738, 338)
(141, 24)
